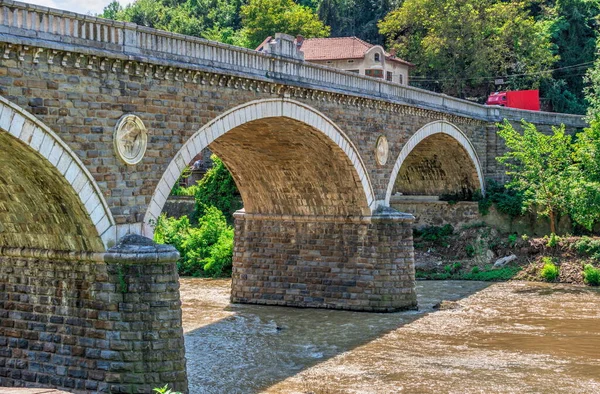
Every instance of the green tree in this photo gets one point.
(191, 17)
(593, 89)
(150, 13)
(112, 10)
(461, 46)
(584, 193)
(541, 168)
(573, 26)
(217, 188)
(263, 18)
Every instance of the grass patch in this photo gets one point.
(501, 274)
(487, 275)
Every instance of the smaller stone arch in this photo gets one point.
(440, 127)
(27, 129)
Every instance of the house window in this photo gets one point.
(388, 76)
(401, 80)
(376, 57)
(350, 61)
(329, 62)
(374, 73)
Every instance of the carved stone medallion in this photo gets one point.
(130, 139)
(382, 150)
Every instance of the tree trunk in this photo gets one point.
(552, 223)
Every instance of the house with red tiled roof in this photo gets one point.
(351, 54)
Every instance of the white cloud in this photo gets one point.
(80, 6)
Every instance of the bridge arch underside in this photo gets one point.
(38, 208)
(439, 165)
(307, 236)
(285, 167)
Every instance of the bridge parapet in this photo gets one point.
(36, 28)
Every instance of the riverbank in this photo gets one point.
(482, 253)
(508, 337)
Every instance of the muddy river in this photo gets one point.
(503, 338)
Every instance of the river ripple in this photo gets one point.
(510, 337)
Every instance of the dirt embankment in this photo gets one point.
(444, 253)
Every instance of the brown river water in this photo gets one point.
(512, 337)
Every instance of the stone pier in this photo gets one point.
(92, 322)
(361, 264)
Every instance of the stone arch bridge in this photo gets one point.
(97, 121)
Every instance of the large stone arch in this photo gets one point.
(321, 166)
(434, 135)
(48, 199)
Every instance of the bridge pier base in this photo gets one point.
(92, 322)
(362, 264)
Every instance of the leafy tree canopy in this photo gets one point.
(574, 27)
(593, 89)
(191, 17)
(555, 173)
(460, 46)
(263, 18)
(355, 17)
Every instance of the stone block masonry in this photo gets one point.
(91, 323)
(362, 264)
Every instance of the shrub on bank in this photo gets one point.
(434, 233)
(206, 249)
(589, 247)
(165, 390)
(591, 275)
(550, 271)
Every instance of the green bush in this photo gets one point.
(589, 247)
(591, 275)
(434, 233)
(164, 390)
(553, 240)
(508, 201)
(217, 188)
(512, 240)
(550, 271)
(205, 249)
(470, 250)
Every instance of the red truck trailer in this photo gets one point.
(523, 99)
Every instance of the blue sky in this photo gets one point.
(80, 6)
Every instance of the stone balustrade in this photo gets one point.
(92, 35)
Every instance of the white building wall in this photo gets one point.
(399, 71)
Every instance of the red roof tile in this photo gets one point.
(339, 48)
(335, 48)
